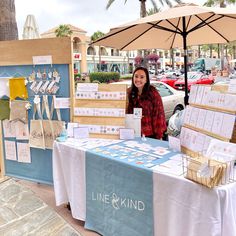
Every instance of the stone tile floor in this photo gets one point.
(28, 208)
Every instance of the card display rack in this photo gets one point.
(198, 167)
(105, 124)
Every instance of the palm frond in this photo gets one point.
(109, 3)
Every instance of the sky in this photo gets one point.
(89, 15)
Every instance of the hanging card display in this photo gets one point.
(9, 129)
(36, 139)
(23, 152)
(10, 150)
(18, 88)
(4, 87)
(51, 128)
(19, 110)
(5, 109)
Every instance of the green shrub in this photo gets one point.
(77, 76)
(126, 77)
(104, 77)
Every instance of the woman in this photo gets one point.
(143, 95)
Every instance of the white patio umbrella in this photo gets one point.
(178, 27)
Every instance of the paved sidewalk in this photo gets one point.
(22, 213)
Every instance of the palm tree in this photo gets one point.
(143, 11)
(8, 25)
(63, 31)
(96, 35)
(223, 4)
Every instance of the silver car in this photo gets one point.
(173, 100)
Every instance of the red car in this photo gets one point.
(193, 78)
(169, 79)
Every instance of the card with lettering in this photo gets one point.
(126, 133)
(22, 130)
(201, 118)
(187, 114)
(217, 123)
(10, 150)
(87, 87)
(227, 126)
(23, 152)
(194, 116)
(193, 93)
(70, 128)
(9, 129)
(206, 91)
(199, 96)
(81, 132)
(208, 121)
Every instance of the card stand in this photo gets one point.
(102, 121)
(213, 108)
(212, 134)
(208, 172)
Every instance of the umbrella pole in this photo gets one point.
(185, 62)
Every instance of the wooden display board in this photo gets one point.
(102, 103)
(17, 58)
(230, 138)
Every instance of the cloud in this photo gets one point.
(89, 15)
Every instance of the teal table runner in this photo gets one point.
(118, 198)
(119, 187)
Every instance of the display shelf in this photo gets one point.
(214, 122)
(211, 108)
(208, 133)
(101, 121)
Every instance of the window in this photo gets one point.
(163, 90)
(91, 51)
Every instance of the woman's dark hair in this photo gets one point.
(134, 89)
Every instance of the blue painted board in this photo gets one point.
(40, 169)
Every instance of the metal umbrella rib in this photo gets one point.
(138, 36)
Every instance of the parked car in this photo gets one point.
(152, 71)
(193, 78)
(169, 79)
(173, 100)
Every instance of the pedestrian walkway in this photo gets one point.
(23, 212)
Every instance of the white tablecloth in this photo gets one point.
(69, 178)
(181, 207)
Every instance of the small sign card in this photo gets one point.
(61, 103)
(232, 86)
(70, 128)
(87, 87)
(174, 143)
(126, 133)
(42, 60)
(137, 113)
(81, 132)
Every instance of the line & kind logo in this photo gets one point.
(118, 202)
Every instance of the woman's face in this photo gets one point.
(140, 79)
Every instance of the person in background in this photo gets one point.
(143, 95)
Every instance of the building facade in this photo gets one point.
(88, 58)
